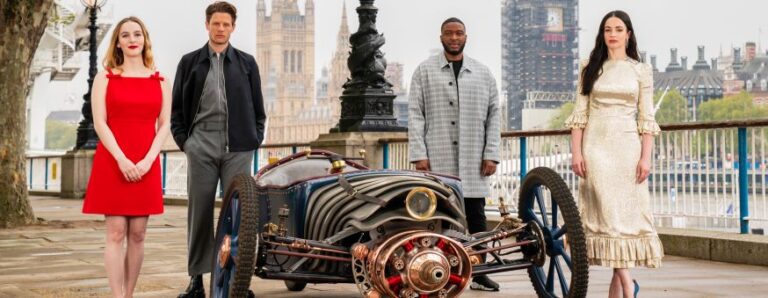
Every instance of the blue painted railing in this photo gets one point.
(679, 177)
(743, 183)
(697, 176)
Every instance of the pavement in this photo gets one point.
(63, 257)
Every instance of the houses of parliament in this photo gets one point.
(298, 108)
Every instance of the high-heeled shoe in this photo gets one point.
(637, 287)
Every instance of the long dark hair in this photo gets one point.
(599, 54)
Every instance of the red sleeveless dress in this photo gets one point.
(133, 105)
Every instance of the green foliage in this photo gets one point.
(60, 135)
(558, 122)
(734, 107)
(672, 109)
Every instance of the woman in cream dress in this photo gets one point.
(612, 139)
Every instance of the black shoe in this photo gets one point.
(194, 289)
(483, 283)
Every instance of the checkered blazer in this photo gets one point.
(455, 128)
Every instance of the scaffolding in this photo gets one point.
(539, 53)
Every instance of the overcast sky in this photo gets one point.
(411, 27)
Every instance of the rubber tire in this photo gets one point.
(295, 286)
(245, 187)
(566, 204)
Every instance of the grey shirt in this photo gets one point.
(213, 100)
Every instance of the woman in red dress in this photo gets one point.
(131, 113)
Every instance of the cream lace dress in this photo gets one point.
(615, 209)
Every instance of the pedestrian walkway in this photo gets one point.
(63, 258)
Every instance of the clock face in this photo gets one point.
(554, 19)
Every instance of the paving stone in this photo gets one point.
(50, 261)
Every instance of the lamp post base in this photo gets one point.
(367, 110)
(76, 168)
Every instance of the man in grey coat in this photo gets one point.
(454, 124)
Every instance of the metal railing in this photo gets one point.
(44, 171)
(696, 179)
(174, 165)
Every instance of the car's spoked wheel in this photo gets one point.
(236, 239)
(566, 271)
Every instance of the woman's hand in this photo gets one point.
(144, 165)
(578, 165)
(129, 169)
(643, 170)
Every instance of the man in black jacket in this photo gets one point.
(217, 119)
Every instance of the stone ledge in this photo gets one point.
(45, 193)
(182, 201)
(715, 246)
(706, 245)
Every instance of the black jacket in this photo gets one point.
(245, 103)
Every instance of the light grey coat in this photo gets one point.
(455, 130)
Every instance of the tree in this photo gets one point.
(672, 109)
(558, 122)
(22, 24)
(60, 135)
(735, 107)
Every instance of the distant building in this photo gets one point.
(285, 52)
(754, 74)
(697, 84)
(749, 73)
(58, 71)
(394, 74)
(69, 117)
(539, 55)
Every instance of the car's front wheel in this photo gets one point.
(236, 239)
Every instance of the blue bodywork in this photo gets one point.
(295, 197)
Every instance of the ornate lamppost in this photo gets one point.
(86, 135)
(366, 103)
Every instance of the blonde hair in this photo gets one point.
(114, 57)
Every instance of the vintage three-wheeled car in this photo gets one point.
(317, 217)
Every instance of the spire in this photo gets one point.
(344, 29)
(344, 15)
(309, 7)
(261, 10)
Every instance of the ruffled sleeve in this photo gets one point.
(646, 118)
(580, 114)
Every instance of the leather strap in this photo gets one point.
(358, 195)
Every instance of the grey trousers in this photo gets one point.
(207, 163)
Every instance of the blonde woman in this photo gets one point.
(131, 113)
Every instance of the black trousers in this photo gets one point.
(476, 221)
(475, 211)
